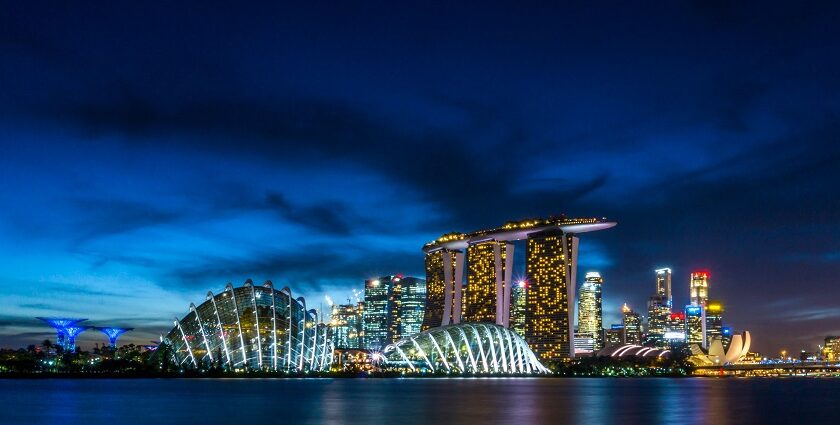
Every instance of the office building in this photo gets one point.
(699, 288)
(831, 348)
(392, 308)
(614, 335)
(519, 299)
(346, 325)
(659, 313)
(714, 321)
(695, 325)
(590, 314)
(663, 285)
(411, 307)
(632, 324)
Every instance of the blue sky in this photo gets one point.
(149, 155)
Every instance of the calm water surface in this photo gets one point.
(415, 401)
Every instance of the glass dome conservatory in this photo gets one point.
(252, 327)
(480, 348)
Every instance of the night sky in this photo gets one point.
(148, 155)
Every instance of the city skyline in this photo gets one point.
(148, 156)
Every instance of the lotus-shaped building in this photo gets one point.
(739, 346)
(253, 327)
(480, 348)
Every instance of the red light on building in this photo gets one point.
(701, 273)
(677, 316)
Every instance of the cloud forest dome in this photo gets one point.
(480, 348)
(252, 327)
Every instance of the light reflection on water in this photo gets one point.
(410, 401)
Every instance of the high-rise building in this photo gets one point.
(632, 324)
(485, 265)
(590, 314)
(663, 284)
(675, 329)
(550, 266)
(699, 288)
(376, 313)
(831, 348)
(614, 335)
(440, 272)
(393, 308)
(411, 306)
(346, 325)
(714, 321)
(518, 300)
(695, 325)
(584, 343)
(659, 312)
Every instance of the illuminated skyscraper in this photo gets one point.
(614, 335)
(663, 284)
(444, 274)
(699, 288)
(346, 325)
(675, 329)
(378, 316)
(714, 320)
(659, 311)
(519, 294)
(831, 348)
(590, 314)
(411, 306)
(551, 265)
(695, 325)
(393, 305)
(485, 266)
(632, 325)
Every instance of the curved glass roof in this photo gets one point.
(482, 348)
(252, 327)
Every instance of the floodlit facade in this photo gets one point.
(252, 327)
(739, 346)
(699, 288)
(590, 313)
(479, 348)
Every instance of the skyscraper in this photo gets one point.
(632, 325)
(550, 266)
(714, 320)
(614, 335)
(663, 284)
(483, 270)
(393, 309)
(590, 314)
(519, 294)
(659, 311)
(699, 288)
(695, 325)
(436, 288)
(411, 306)
(346, 325)
(376, 312)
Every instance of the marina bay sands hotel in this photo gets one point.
(551, 252)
